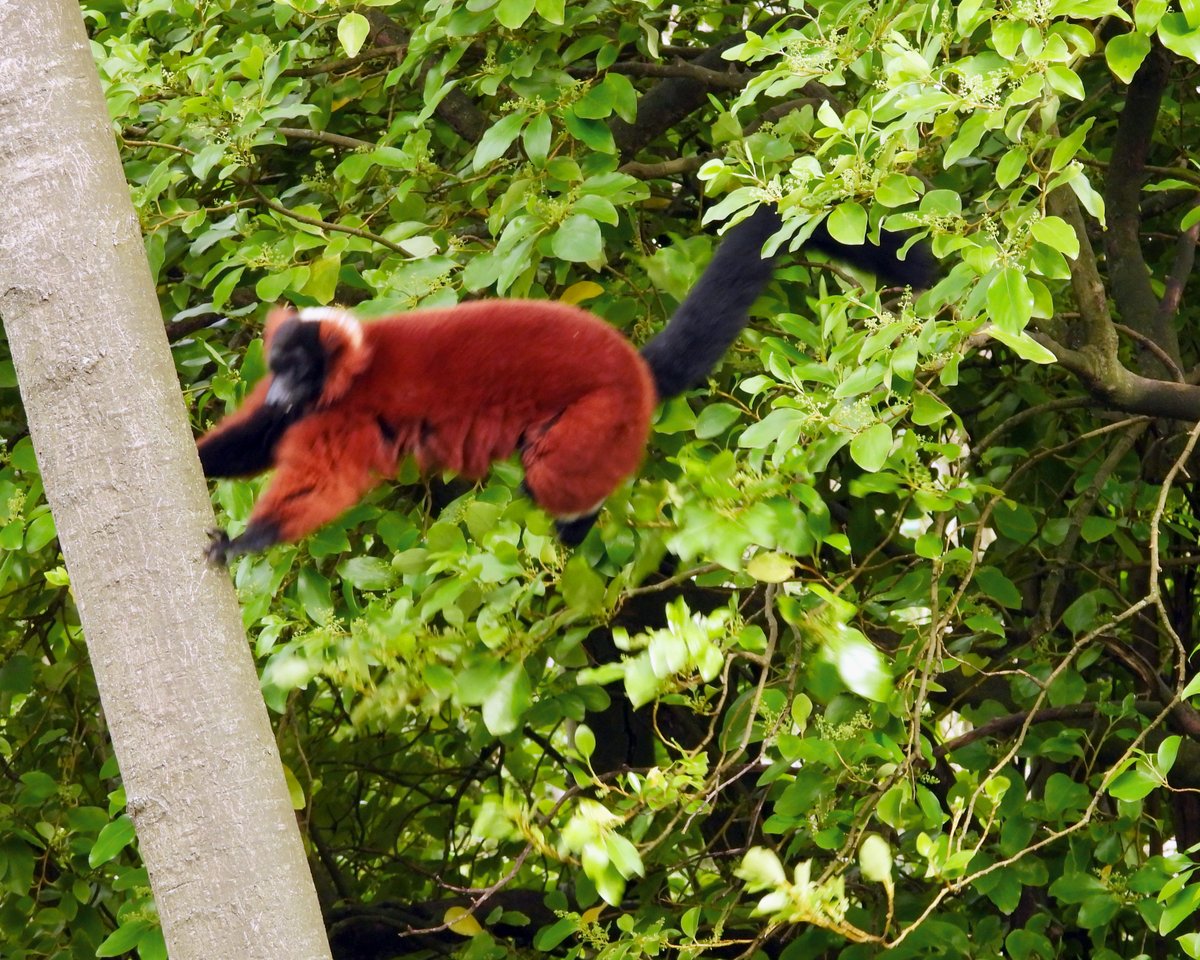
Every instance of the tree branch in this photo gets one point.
(667, 168)
(1129, 277)
(456, 108)
(1185, 259)
(1163, 357)
(351, 143)
(1092, 352)
(326, 225)
(348, 63)
(720, 79)
(1118, 388)
(1096, 330)
(672, 99)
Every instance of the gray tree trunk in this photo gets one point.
(200, 766)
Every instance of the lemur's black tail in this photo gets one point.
(714, 311)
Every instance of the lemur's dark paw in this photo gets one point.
(219, 547)
(572, 532)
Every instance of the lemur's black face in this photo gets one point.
(297, 362)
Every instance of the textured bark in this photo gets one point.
(1129, 277)
(200, 766)
(1091, 351)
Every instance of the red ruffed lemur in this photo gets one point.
(461, 387)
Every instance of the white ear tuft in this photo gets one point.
(343, 319)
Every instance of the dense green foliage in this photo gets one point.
(884, 652)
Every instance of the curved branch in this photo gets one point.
(1181, 269)
(719, 79)
(1163, 357)
(1118, 388)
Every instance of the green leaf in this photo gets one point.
(928, 409)
(352, 32)
(513, 13)
(895, 190)
(1010, 301)
(593, 133)
(623, 855)
(870, 448)
(367, 573)
(477, 681)
(1057, 233)
(40, 532)
(585, 740)
(537, 137)
(551, 10)
(860, 665)
(1080, 616)
(848, 223)
(1124, 53)
(1069, 145)
(124, 939)
(641, 683)
(771, 567)
(875, 858)
(1065, 80)
(715, 419)
(507, 702)
(1180, 37)
(549, 937)
(597, 103)
(114, 838)
(610, 885)
(1011, 166)
(1023, 345)
(577, 239)
(761, 870)
(294, 788)
(582, 588)
(1134, 784)
(315, 596)
(1168, 750)
(624, 96)
(323, 278)
(998, 587)
(497, 139)
(1147, 14)
(964, 144)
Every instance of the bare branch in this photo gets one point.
(718, 79)
(667, 168)
(336, 139)
(347, 63)
(1185, 259)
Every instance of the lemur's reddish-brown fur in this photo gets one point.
(561, 385)
(464, 386)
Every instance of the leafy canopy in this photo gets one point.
(886, 648)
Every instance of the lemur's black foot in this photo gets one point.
(572, 532)
(220, 548)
